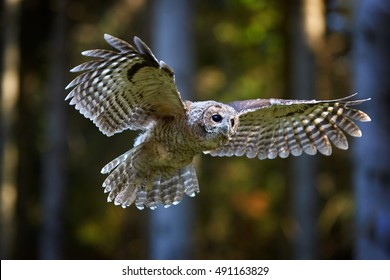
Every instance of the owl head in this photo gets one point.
(220, 121)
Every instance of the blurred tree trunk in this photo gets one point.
(10, 79)
(307, 33)
(54, 179)
(372, 152)
(171, 230)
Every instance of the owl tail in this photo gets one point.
(125, 187)
(169, 191)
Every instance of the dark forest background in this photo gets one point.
(52, 203)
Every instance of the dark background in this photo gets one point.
(338, 207)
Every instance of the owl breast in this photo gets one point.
(169, 145)
(176, 141)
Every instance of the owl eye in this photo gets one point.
(217, 118)
(232, 122)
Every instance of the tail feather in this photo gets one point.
(115, 162)
(169, 191)
(191, 185)
(122, 183)
(125, 186)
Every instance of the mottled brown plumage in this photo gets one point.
(130, 89)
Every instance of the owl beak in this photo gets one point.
(226, 129)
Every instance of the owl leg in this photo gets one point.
(169, 190)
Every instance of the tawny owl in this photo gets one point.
(130, 89)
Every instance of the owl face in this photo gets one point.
(220, 120)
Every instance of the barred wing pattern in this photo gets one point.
(275, 127)
(124, 89)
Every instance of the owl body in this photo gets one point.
(130, 89)
(174, 141)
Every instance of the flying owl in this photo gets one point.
(128, 88)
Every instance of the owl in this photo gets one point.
(128, 88)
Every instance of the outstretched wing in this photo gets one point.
(275, 127)
(124, 89)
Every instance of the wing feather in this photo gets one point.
(275, 127)
(124, 89)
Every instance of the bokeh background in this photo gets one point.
(52, 203)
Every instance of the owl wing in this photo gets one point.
(275, 127)
(124, 89)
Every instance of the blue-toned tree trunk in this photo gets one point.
(171, 230)
(304, 197)
(54, 179)
(372, 152)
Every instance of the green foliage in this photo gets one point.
(243, 44)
